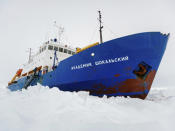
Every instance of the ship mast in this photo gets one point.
(101, 27)
(60, 31)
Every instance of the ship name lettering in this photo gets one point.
(100, 62)
(81, 66)
(108, 61)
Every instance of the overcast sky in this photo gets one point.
(27, 23)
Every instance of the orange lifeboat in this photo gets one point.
(18, 74)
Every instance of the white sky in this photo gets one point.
(27, 23)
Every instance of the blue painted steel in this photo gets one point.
(145, 47)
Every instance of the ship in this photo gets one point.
(124, 66)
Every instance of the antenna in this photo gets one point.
(60, 31)
(30, 54)
(101, 27)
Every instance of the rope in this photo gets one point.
(110, 30)
(93, 34)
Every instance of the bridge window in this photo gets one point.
(55, 48)
(69, 52)
(65, 50)
(60, 49)
(50, 47)
(44, 47)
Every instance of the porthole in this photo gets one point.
(92, 54)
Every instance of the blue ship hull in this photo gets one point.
(124, 66)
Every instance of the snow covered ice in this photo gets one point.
(42, 109)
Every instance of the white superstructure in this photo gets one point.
(45, 55)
